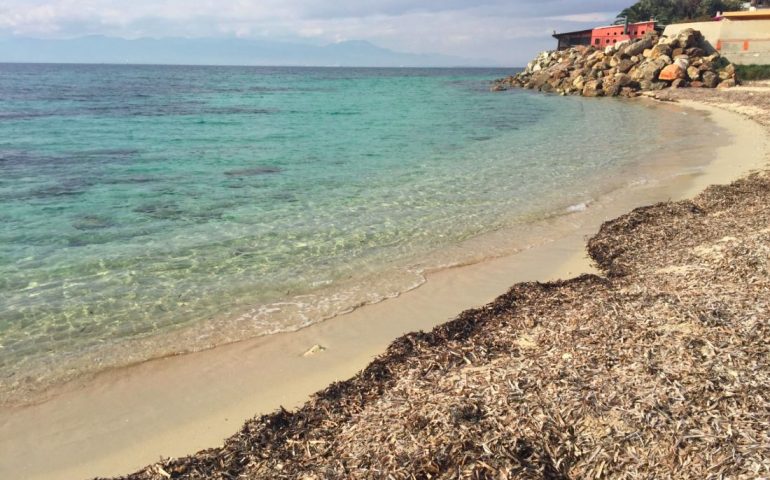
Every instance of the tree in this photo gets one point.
(671, 11)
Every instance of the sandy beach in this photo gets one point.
(122, 420)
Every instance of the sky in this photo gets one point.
(508, 32)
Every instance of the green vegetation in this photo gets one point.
(673, 11)
(753, 72)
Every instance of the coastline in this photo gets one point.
(165, 397)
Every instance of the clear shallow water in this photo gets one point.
(150, 210)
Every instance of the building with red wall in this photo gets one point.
(601, 37)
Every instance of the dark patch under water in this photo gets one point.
(92, 222)
(252, 171)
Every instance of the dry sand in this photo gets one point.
(125, 419)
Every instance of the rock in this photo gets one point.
(650, 72)
(727, 72)
(695, 52)
(668, 41)
(693, 73)
(660, 49)
(625, 65)
(647, 53)
(579, 82)
(729, 83)
(628, 92)
(498, 87)
(623, 79)
(696, 84)
(679, 83)
(677, 52)
(688, 38)
(638, 47)
(611, 89)
(710, 79)
(593, 88)
(672, 72)
(683, 62)
(582, 49)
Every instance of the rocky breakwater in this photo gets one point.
(626, 68)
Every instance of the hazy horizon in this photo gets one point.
(98, 49)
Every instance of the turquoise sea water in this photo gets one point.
(148, 210)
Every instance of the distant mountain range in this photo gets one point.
(209, 51)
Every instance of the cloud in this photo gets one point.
(507, 30)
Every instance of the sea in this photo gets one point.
(148, 211)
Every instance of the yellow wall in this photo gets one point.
(733, 36)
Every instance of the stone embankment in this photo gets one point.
(626, 68)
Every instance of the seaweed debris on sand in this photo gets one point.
(659, 369)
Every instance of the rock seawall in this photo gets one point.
(626, 68)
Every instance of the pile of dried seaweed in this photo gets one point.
(661, 369)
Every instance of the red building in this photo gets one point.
(601, 37)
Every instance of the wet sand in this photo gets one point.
(124, 419)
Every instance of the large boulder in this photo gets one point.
(624, 80)
(638, 47)
(688, 38)
(672, 72)
(695, 52)
(683, 62)
(593, 88)
(679, 83)
(727, 73)
(660, 49)
(579, 82)
(729, 83)
(538, 79)
(693, 73)
(611, 89)
(625, 65)
(650, 72)
(710, 79)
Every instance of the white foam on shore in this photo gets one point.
(578, 207)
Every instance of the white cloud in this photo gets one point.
(596, 17)
(505, 30)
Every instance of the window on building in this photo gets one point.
(597, 42)
(642, 32)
